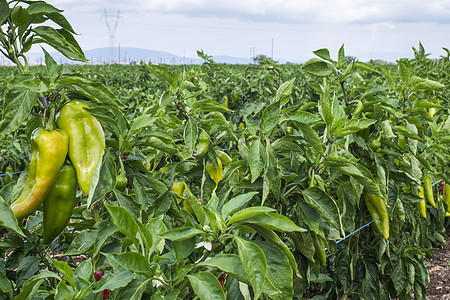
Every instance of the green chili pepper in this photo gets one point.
(319, 247)
(48, 153)
(421, 206)
(215, 170)
(224, 157)
(428, 190)
(379, 213)
(203, 144)
(59, 204)
(86, 140)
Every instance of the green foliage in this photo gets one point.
(287, 194)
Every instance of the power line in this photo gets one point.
(111, 22)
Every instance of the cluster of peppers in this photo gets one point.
(51, 180)
(214, 169)
(378, 210)
(426, 192)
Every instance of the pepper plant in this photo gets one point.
(219, 181)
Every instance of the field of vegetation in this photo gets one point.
(266, 181)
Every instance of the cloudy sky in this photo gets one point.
(384, 29)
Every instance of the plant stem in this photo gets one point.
(50, 125)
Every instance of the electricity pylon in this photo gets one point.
(111, 22)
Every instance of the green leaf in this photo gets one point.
(322, 278)
(216, 220)
(62, 291)
(274, 221)
(28, 267)
(53, 69)
(164, 146)
(365, 67)
(447, 125)
(62, 21)
(134, 289)
(81, 243)
(83, 270)
(248, 213)
(206, 286)
(179, 234)
(407, 132)
(132, 261)
(325, 111)
(190, 134)
(257, 159)
(323, 54)
(341, 54)
(254, 262)
(279, 271)
(41, 8)
(65, 270)
(196, 206)
(66, 33)
(270, 117)
(103, 180)
(309, 215)
(404, 71)
(231, 264)
(141, 122)
(5, 285)
(97, 92)
(272, 177)
(316, 67)
(228, 263)
(20, 16)
(387, 130)
(422, 84)
(304, 243)
(324, 205)
(235, 203)
(354, 125)
(312, 138)
(30, 287)
(361, 174)
(56, 40)
(156, 226)
(124, 221)
(113, 281)
(184, 248)
(4, 11)
(7, 219)
(18, 102)
(209, 105)
(145, 237)
(272, 237)
(445, 139)
(302, 116)
(106, 230)
(399, 277)
(284, 92)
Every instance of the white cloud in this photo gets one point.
(375, 27)
(283, 11)
(317, 11)
(369, 28)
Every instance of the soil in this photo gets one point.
(439, 269)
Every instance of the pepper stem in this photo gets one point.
(51, 119)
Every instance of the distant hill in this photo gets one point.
(136, 55)
(129, 55)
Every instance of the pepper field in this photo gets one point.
(267, 181)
